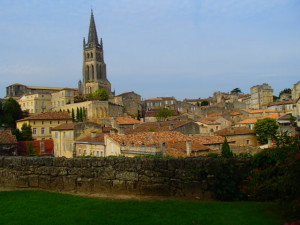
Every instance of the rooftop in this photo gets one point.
(49, 116)
(6, 137)
(230, 131)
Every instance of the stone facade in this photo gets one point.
(296, 91)
(185, 178)
(36, 103)
(63, 97)
(131, 101)
(261, 96)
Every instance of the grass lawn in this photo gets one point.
(38, 207)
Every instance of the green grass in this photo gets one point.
(38, 207)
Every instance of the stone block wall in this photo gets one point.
(185, 178)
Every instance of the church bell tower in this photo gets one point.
(94, 67)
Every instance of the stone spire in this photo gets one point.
(93, 38)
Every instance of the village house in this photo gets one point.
(185, 127)
(296, 91)
(65, 135)
(159, 102)
(92, 145)
(261, 96)
(8, 143)
(35, 103)
(122, 123)
(283, 106)
(241, 136)
(43, 123)
(208, 125)
(214, 143)
(249, 123)
(250, 113)
(63, 97)
(131, 101)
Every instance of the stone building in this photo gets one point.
(261, 96)
(8, 143)
(35, 103)
(43, 123)
(131, 101)
(94, 67)
(18, 90)
(65, 135)
(296, 91)
(159, 102)
(62, 98)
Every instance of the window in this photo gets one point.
(247, 142)
(42, 130)
(42, 147)
(42, 122)
(56, 134)
(98, 153)
(71, 148)
(65, 147)
(34, 131)
(57, 121)
(50, 122)
(64, 134)
(50, 130)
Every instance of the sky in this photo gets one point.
(180, 48)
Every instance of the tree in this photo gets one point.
(236, 91)
(204, 103)
(286, 91)
(77, 114)
(73, 115)
(83, 114)
(11, 112)
(226, 152)
(102, 94)
(26, 132)
(80, 114)
(163, 113)
(265, 129)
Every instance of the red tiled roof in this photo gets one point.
(209, 120)
(6, 137)
(230, 131)
(160, 99)
(148, 138)
(98, 138)
(252, 111)
(156, 126)
(274, 116)
(248, 121)
(49, 116)
(126, 120)
(65, 126)
(208, 140)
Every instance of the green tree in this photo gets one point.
(163, 113)
(83, 114)
(286, 91)
(73, 115)
(265, 129)
(11, 112)
(226, 152)
(77, 114)
(26, 132)
(204, 103)
(236, 91)
(102, 94)
(18, 134)
(80, 114)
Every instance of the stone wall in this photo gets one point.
(185, 178)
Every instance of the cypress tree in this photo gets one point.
(77, 114)
(73, 115)
(80, 114)
(226, 152)
(83, 114)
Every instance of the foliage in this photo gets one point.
(28, 207)
(18, 134)
(226, 152)
(265, 129)
(274, 176)
(285, 91)
(11, 112)
(102, 94)
(205, 103)
(236, 91)
(83, 114)
(30, 149)
(163, 113)
(26, 132)
(275, 98)
(73, 115)
(77, 114)
(213, 155)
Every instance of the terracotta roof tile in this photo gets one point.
(248, 121)
(252, 111)
(49, 116)
(209, 120)
(126, 120)
(156, 126)
(148, 138)
(6, 137)
(234, 131)
(274, 116)
(98, 138)
(65, 126)
(208, 140)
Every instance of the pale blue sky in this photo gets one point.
(181, 48)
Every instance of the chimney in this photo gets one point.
(93, 134)
(188, 145)
(163, 148)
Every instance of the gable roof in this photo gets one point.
(6, 137)
(230, 131)
(248, 121)
(98, 139)
(209, 120)
(209, 140)
(49, 116)
(157, 126)
(148, 138)
(126, 120)
(65, 126)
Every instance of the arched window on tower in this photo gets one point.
(92, 73)
(87, 72)
(98, 72)
(88, 55)
(91, 55)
